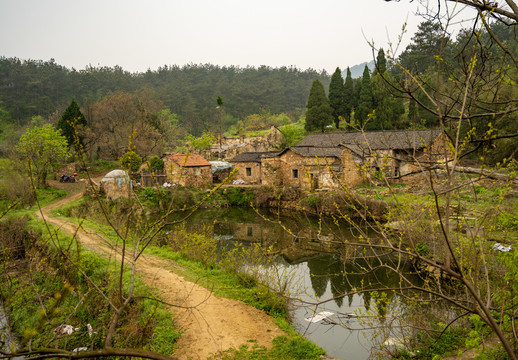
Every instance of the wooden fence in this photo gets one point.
(149, 179)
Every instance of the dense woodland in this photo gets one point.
(35, 87)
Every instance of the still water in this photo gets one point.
(308, 256)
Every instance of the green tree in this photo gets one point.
(156, 163)
(388, 104)
(319, 113)
(45, 149)
(381, 62)
(337, 96)
(131, 161)
(201, 143)
(68, 122)
(365, 100)
(349, 98)
(428, 42)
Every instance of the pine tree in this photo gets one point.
(336, 96)
(412, 112)
(319, 113)
(349, 98)
(365, 100)
(381, 62)
(71, 118)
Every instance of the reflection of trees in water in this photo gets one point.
(336, 265)
(319, 274)
(347, 276)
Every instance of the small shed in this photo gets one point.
(187, 169)
(220, 170)
(116, 184)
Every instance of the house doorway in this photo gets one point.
(313, 181)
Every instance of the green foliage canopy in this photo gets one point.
(69, 121)
(337, 96)
(44, 148)
(349, 99)
(365, 100)
(200, 143)
(156, 163)
(319, 113)
(131, 161)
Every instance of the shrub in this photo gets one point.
(14, 238)
(239, 196)
(156, 163)
(131, 161)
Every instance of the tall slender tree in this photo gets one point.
(348, 95)
(69, 121)
(319, 113)
(381, 62)
(365, 100)
(336, 96)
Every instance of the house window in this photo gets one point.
(295, 173)
(249, 231)
(248, 171)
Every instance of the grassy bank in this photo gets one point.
(43, 290)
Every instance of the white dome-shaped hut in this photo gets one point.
(116, 184)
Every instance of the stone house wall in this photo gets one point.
(291, 169)
(187, 175)
(249, 172)
(270, 171)
(298, 171)
(349, 170)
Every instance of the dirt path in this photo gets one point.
(211, 324)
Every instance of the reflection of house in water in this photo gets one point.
(293, 247)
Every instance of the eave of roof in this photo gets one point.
(189, 160)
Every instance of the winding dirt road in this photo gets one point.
(211, 324)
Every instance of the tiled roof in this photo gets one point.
(375, 140)
(321, 152)
(253, 156)
(188, 160)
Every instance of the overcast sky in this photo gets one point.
(146, 34)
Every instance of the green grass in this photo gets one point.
(68, 297)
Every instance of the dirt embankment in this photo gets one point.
(211, 324)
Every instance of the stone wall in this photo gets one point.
(188, 175)
(291, 169)
(114, 189)
(232, 147)
(307, 172)
(350, 172)
(253, 176)
(270, 171)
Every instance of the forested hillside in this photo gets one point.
(36, 87)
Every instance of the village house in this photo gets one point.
(310, 167)
(187, 169)
(332, 160)
(395, 152)
(248, 166)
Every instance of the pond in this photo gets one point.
(316, 272)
